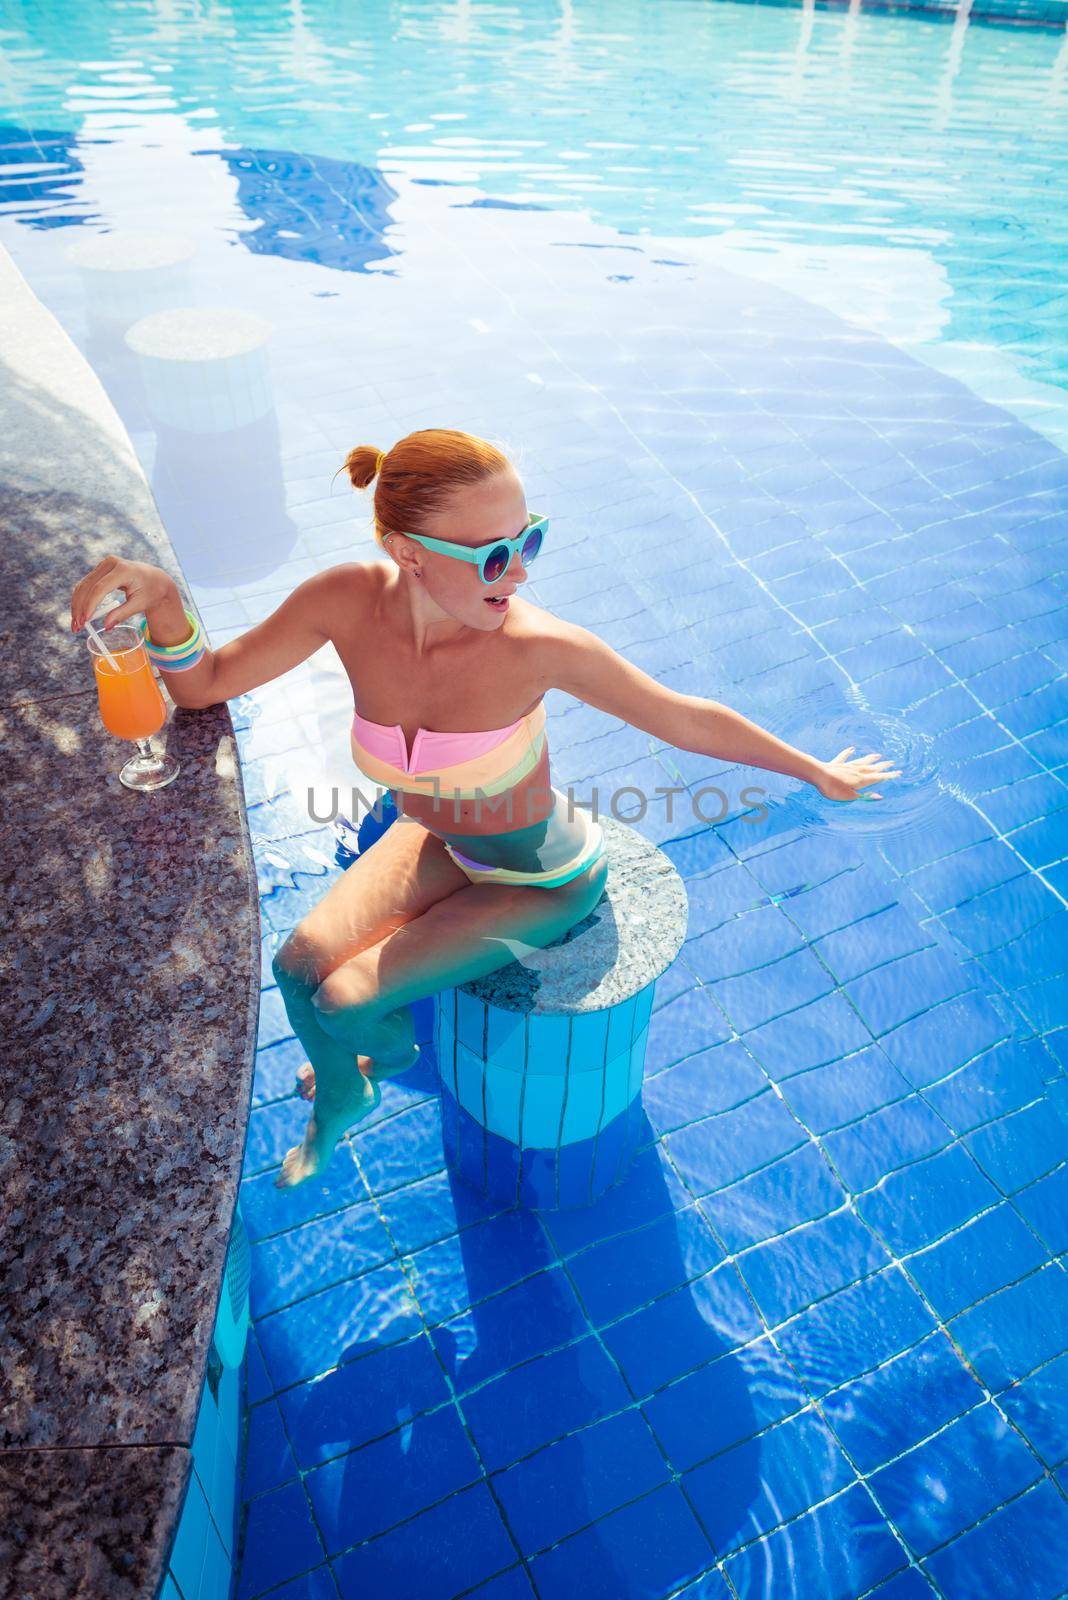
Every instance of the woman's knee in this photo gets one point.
(299, 960)
(350, 988)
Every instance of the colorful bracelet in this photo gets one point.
(176, 657)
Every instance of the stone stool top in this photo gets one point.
(630, 937)
(130, 250)
(199, 333)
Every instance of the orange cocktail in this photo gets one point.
(131, 706)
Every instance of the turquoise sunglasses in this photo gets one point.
(493, 559)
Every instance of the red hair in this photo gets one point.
(420, 474)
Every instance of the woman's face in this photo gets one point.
(494, 509)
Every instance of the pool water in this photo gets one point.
(767, 303)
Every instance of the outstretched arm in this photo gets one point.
(292, 632)
(576, 660)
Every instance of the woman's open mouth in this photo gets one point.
(498, 602)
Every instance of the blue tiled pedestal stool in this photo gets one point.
(541, 1062)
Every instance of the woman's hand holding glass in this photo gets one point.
(131, 705)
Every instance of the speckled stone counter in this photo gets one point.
(130, 967)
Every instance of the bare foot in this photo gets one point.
(306, 1073)
(325, 1127)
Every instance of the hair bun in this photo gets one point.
(361, 464)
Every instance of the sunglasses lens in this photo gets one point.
(496, 564)
(531, 545)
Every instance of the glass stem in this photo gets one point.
(144, 750)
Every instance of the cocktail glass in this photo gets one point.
(131, 706)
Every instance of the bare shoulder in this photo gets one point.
(547, 639)
(564, 655)
(530, 624)
(348, 593)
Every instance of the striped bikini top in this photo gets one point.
(465, 765)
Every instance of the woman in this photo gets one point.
(485, 860)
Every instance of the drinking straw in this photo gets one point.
(103, 646)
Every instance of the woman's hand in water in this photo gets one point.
(843, 779)
(145, 586)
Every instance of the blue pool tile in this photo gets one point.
(536, 1315)
(958, 877)
(269, 1460)
(273, 1129)
(257, 1379)
(787, 1274)
(757, 1485)
(650, 1190)
(290, 1266)
(280, 1541)
(648, 1549)
(811, 1036)
(861, 1325)
(542, 1400)
(1039, 1408)
(891, 1137)
(907, 1585)
(886, 1412)
(843, 899)
(362, 1399)
(456, 1273)
(871, 943)
(1017, 1329)
(724, 1404)
(844, 1091)
(441, 1553)
(721, 1149)
(709, 1586)
(945, 1485)
(273, 1024)
(364, 1493)
(337, 1325)
(431, 1208)
(512, 1585)
(712, 1080)
(1027, 1539)
(1044, 1205)
(692, 1021)
(1017, 1149)
(1001, 914)
(928, 1047)
(268, 1210)
(622, 1274)
(1001, 1080)
(923, 1202)
(799, 1188)
(837, 1551)
(906, 988)
(683, 1330)
(578, 1480)
(317, 1585)
(398, 1149)
(994, 1250)
(276, 1070)
(740, 943)
(755, 998)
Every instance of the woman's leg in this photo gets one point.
(472, 932)
(399, 877)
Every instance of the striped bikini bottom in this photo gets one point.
(546, 855)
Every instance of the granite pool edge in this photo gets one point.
(126, 1106)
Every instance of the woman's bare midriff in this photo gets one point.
(482, 682)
